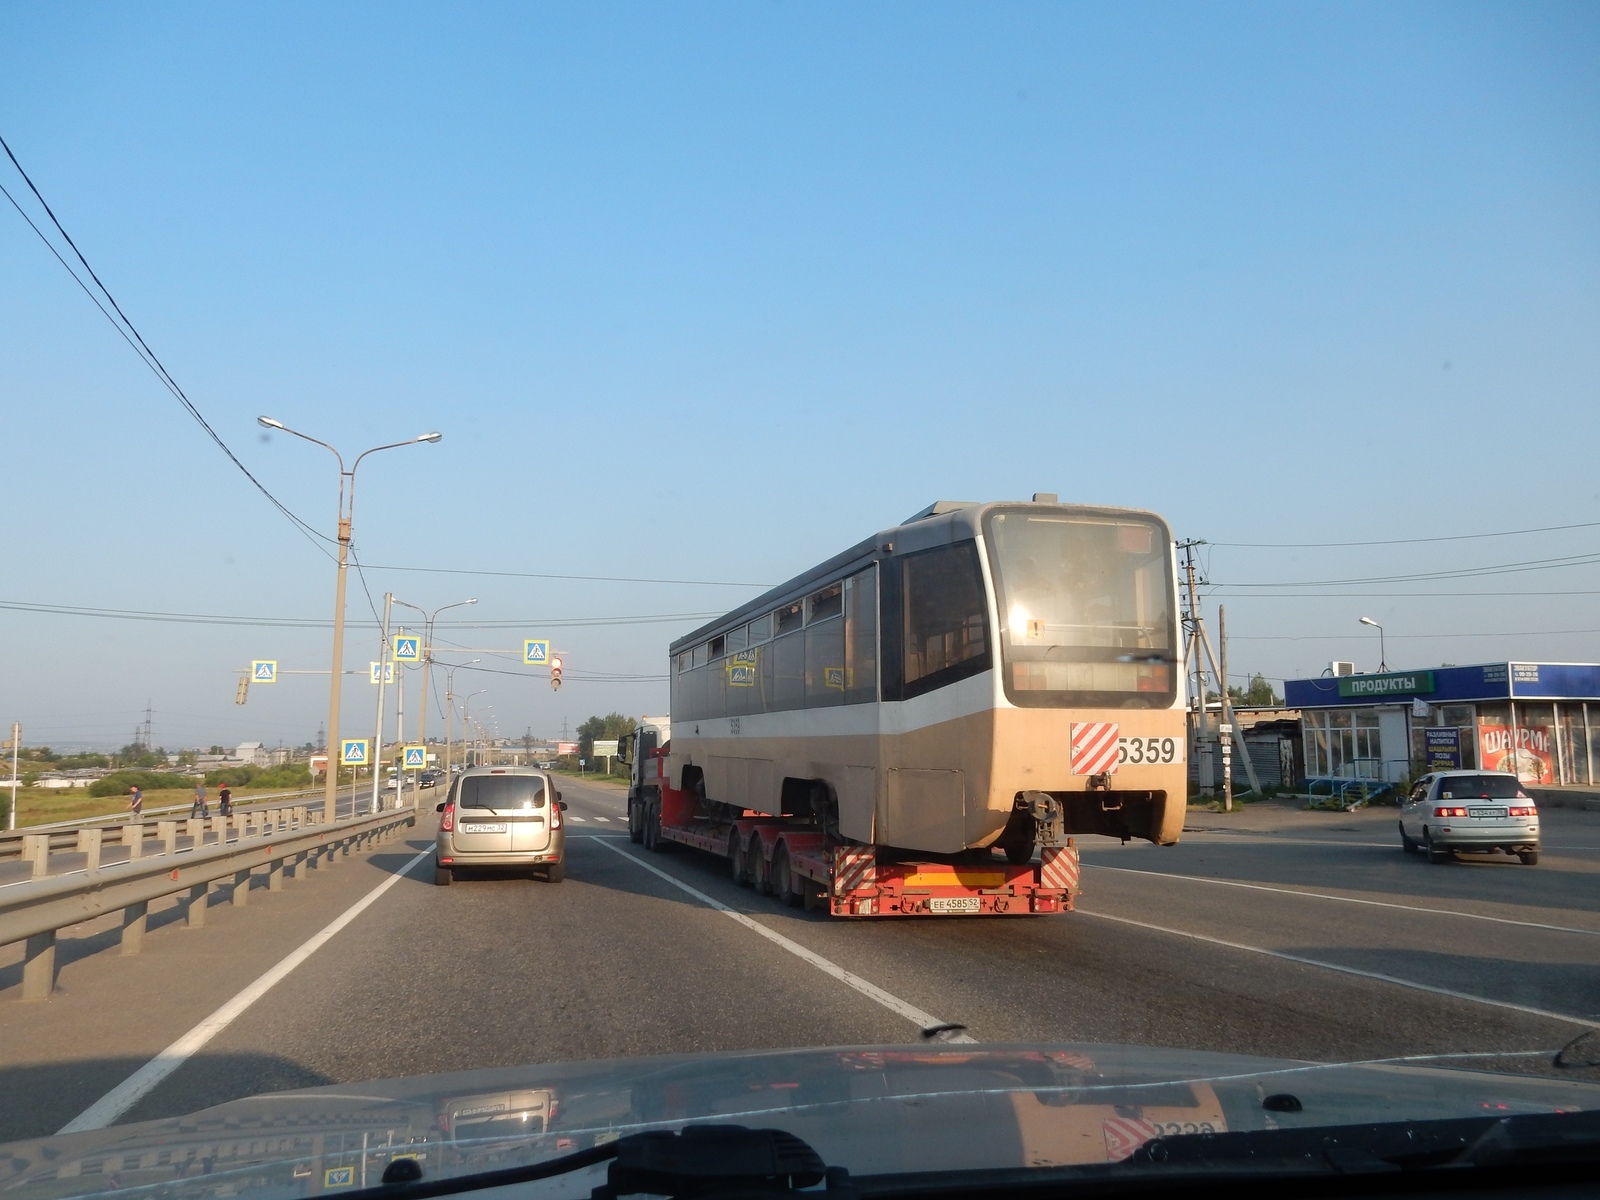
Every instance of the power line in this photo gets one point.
(140, 346)
(1343, 637)
(1514, 568)
(1382, 595)
(1458, 537)
(182, 618)
(584, 578)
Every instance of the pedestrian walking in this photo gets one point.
(225, 800)
(198, 808)
(136, 802)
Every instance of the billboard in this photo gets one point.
(1527, 750)
(566, 747)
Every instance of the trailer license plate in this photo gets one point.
(483, 829)
(1486, 812)
(954, 904)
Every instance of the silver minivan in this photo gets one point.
(501, 817)
(1469, 810)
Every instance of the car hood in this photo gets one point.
(873, 1109)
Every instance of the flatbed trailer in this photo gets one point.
(794, 862)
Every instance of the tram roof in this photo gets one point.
(941, 523)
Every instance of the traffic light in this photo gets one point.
(555, 674)
(242, 692)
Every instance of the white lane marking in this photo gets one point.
(127, 1093)
(574, 817)
(922, 1020)
(602, 818)
(1261, 887)
(1587, 1022)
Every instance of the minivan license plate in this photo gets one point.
(483, 829)
(1486, 812)
(954, 904)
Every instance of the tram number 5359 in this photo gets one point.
(1149, 750)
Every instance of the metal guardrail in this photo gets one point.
(66, 835)
(34, 911)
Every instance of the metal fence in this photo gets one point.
(219, 850)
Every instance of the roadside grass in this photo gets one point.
(46, 806)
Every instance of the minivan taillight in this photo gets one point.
(1449, 812)
(555, 814)
(447, 819)
(1521, 810)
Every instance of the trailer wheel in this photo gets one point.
(736, 859)
(760, 868)
(652, 829)
(783, 879)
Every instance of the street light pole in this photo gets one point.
(384, 667)
(347, 503)
(427, 664)
(1383, 655)
(450, 709)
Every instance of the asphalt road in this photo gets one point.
(1273, 931)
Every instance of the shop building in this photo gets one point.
(1541, 720)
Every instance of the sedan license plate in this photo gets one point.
(483, 828)
(1486, 812)
(954, 904)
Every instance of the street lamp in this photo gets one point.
(450, 708)
(466, 712)
(347, 504)
(427, 666)
(1383, 657)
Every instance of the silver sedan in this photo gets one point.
(1484, 811)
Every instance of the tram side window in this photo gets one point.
(861, 637)
(944, 618)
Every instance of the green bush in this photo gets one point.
(118, 782)
(289, 775)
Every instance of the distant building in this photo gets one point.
(252, 754)
(279, 755)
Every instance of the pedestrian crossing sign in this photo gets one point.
(386, 675)
(407, 649)
(339, 1177)
(536, 652)
(264, 670)
(416, 758)
(353, 752)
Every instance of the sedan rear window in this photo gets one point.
(1481, 787)
(501, 791)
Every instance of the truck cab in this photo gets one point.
(641, 752)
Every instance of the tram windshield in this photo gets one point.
(1085, 609)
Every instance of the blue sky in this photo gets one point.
(710, 291)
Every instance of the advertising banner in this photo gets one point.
(1444, 749)
(1532, 758)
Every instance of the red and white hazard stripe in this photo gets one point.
(1124, 1135)
(1094, 747)
(854, 867)
(1058, 868)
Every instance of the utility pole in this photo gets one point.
(16, 747)
(1197, 671)
(1227, 713)
(400, 724)
(383, 676)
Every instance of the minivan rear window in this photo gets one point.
(501, 791)
(1481, 787)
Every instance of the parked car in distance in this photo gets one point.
(547, 764)
(501, 817)
(1482, 811)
